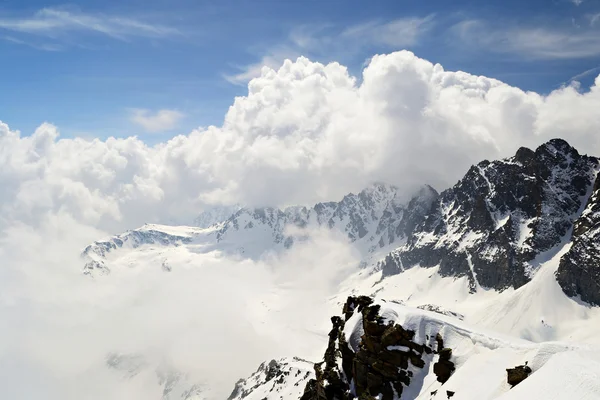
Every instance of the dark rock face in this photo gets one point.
(500, 216)
(518, 374)
(380, 364)
(444, 367)
(579, 270)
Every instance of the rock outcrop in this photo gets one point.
(579, 270)
(444, 368)
(518, 374)
(283, 378)
(378, 364)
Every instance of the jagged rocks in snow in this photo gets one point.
(284, 378)
(440, 310)
(579, 270)
(378, 364)
(492, 224)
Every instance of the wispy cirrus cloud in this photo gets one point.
(396, 33)
(584, 74)
(60, 23)
(159, 121)
(338, 42)
(541, 43)
(38, 46)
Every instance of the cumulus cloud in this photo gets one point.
(160, 121)
(304, 133)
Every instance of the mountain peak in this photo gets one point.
(524, 155)
(426, 192)
(554, 147)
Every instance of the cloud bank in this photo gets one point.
(306, 132)
(212, 317)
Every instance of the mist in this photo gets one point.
(212, 317)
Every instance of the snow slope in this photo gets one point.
(538, 311)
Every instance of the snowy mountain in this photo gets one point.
(284, 378)
(493, 224)
(503, 268)
(215, 215)
(579, 271)
(374, 220)
(97, 255)
(395, 344)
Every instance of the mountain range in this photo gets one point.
(503, 267)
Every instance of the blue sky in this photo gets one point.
(156, 68)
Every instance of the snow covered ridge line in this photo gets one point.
(375, 221)
(496, 226)
(150, 234)
(388, 351)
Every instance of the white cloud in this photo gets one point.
(577, 2)
(583, 74)
(306, 132)
(398, 33)
(38, 46)
(531, 42)
(270, 61)
(335, 43)
(208, 311)
(160, 121)
(56, 23)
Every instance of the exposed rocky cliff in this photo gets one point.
(579, 270)
(373, 358)
(495, 221)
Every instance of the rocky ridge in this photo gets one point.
(503, 214)
(579, 270)
(276, 379)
